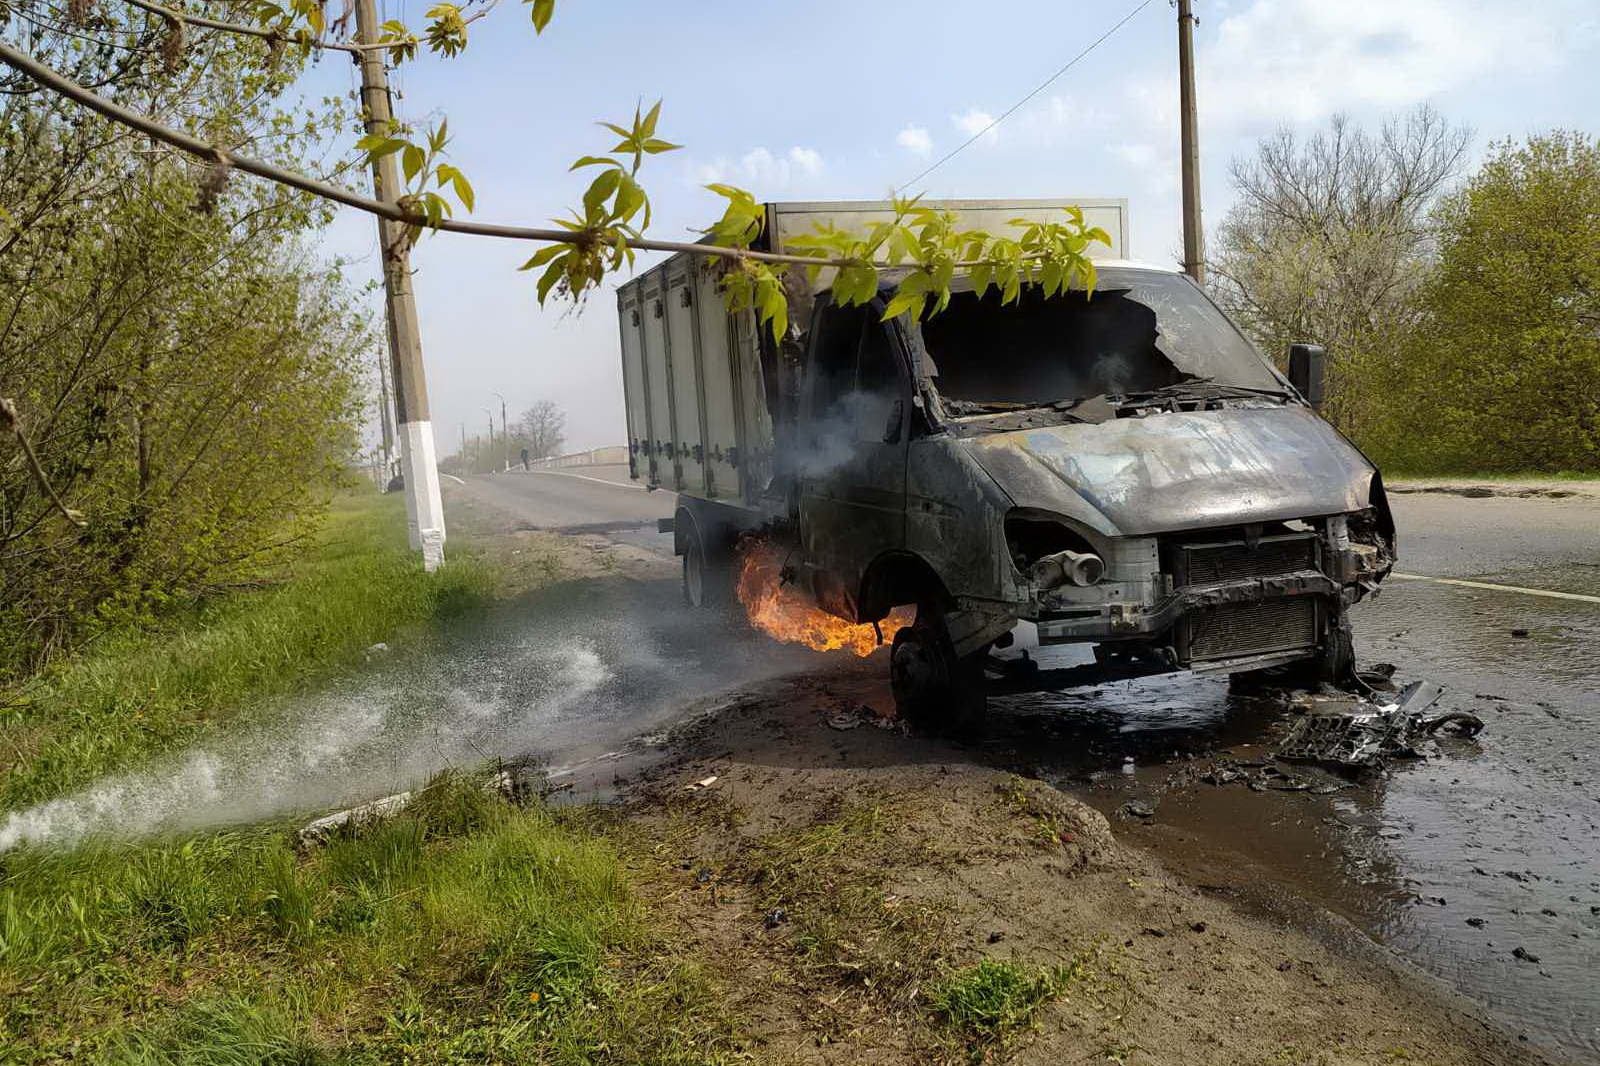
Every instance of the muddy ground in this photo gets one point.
(829, 875)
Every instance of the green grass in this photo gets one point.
(463, 930)
(139, 692)
(1392, 475)
(989, 1003)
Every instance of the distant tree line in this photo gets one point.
(542, 430)
(1461, 318)
(187, 373)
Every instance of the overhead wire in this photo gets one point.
(1041, 87)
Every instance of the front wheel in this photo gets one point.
(933, 688)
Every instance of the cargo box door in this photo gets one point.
(719, 369)
(684, 373)
(657, 385)
(635, 396)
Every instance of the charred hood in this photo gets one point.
(1190, 470)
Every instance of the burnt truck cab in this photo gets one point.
(1121, 468)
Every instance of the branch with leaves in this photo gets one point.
(925, 246)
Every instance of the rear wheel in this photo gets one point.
(707, 569)
(933, 688)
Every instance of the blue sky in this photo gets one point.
(836, 100)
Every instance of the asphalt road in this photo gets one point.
(586, 499)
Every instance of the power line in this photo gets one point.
(1041, 87)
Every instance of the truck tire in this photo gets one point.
(933, 688)
(707, 571)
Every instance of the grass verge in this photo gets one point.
(465, 930)
(138, 692)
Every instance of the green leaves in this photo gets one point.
(447, 30)
(419, 163)
(542, 10)
(401, 41)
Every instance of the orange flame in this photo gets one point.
(786, 613)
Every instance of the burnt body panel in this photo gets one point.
(1180, 471)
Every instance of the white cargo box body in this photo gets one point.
(696, 401)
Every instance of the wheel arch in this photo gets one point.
(898, 577)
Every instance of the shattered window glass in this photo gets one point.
(1141, 331)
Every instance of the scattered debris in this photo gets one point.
(1477, 923)
(844, 720)
(313, 832)
(1197, 927)
(703, 783)
(996, 936)
(1519, 632)
(775, 918)
(1524, 954)
(1137, 809)
(1351, 731)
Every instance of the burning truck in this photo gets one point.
(1122, 470)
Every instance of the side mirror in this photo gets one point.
(891, 429)
(1308, 371)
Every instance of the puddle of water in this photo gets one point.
(1504, 831)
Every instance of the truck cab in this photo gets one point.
(1119, 468)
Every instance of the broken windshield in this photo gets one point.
(1142, 331)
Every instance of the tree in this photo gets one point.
(1504, 373)
(1328, 242)
(542, 429)
(183, 371)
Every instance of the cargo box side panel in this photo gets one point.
(635, 396)
(756, 440)
(684, 363)
(719, 366)
(658, 381)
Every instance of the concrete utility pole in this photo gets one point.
(424, 506)
(505, 434)
(388, 426)
(1194, 243)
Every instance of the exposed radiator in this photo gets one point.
(1240, 629)
(1207, 564)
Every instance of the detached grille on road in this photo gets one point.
(1207, 564)
(1239, 629)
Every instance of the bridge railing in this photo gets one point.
(593, 457)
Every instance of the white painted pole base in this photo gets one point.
(424, 505)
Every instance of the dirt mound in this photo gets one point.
(867, 896)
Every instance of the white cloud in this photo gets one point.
(759, 167)
(973, 122)
(1296, 61)
(916, 140)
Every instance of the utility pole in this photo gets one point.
(418, 465)
(491, 439)
(388, 426)
(505, 434)
(1194, 247)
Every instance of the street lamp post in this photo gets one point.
(505, 434)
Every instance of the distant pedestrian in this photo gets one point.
(525, 465)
